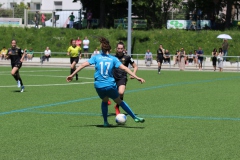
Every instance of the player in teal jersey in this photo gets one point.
(105, 84)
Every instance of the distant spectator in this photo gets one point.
(47, 55)
(30, 54)
(89, 19)
(3, 54)
(86, 47)
(220, 59)
(175, 58)
(190, 58)
(195, 58)
(167, 57)
(148, 56)
(214, 58)
(78, 42)
(225, 47)
(181, 57)
(43, 19)
(71, 20)
(37, 19)
(95, 52)
(200, 58)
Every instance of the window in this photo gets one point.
(38, 6)
(13, 5)
(58, 5)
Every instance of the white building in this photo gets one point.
(44, 4)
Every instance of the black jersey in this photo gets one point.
(15, 54)
(159, 53)
(119, 73)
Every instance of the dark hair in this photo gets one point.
(220, 49)
(121, 43)
(14, 40)
(214, 50)
(105, 44)
(71, 41)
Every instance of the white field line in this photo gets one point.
(33, 71)
(47, 85)
(22, 75)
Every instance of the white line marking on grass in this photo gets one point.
(47, 76)
(33, 71)
(46, 85)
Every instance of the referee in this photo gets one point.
(16, 55)
(120, 75)
(75, 54)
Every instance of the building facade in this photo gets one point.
(44, 4)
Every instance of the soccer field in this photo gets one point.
(189, 115)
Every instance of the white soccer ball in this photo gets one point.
(121, 119)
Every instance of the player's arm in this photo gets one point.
(83, 65)
(23, 55)
(135, 68)
(126, 69)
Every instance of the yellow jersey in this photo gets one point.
(74, 51)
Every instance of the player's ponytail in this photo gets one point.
(105, 44)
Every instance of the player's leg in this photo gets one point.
(127, 109)
(104, 105)
(16, 75)
(121, 90)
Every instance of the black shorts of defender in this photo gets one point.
(18, 65)
(160, 60)
(122, 81)
(74, 59)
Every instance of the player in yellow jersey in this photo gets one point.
(75, 54)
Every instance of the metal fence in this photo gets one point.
(62, 58)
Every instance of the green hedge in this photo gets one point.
(58, 39)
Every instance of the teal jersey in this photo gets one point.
(104, 65)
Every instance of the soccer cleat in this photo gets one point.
(117, 110)
(139, 120)
(106, 124)
(19, 84)
(109, 102)
(22, 89)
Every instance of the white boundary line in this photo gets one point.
(47, 76)
(47, 85)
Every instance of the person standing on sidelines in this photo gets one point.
(16, 55)
(120, 75)
(160, 56)
(86, 46)
(200, 58)
(71, 20)
(105, 84)
(74, 52)
(225, 47)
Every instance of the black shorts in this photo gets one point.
(18, 65)
(74, 59)
(120, 82)
(85, 49)
(160, 60)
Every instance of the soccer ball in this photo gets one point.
(121, 119)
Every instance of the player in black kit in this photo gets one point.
(16, 55)
(160, 56)
(120, 76)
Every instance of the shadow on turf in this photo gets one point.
(111, 126)
(16, 91)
